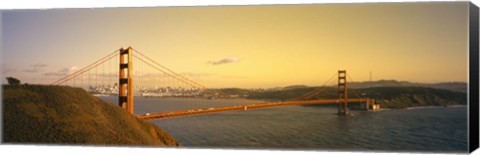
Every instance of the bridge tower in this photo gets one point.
(125, 94)
(342, 93)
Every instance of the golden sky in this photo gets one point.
(249, 46)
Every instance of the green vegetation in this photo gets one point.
(13, 81)
(65, 115)
(403, 97)
(387, 97)
(452, 86)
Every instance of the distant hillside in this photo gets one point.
(403, 97)
(452, 86)
(387, 97)
(285, 94)
(295, 87)
(231, 91)
(65, 115)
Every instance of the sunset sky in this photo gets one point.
(248, 46)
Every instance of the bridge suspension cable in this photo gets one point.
(355, 93)
(181, 81)
(85, 69)
(171, 73)
(316, 91)
(178, 77)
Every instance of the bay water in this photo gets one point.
(426, 129)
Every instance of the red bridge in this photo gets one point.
(165, 115)
(179, 85)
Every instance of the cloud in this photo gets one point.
(7, 69)
(224, 61)
(63, 72)
(35, 68)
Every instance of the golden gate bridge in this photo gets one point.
(114, 74)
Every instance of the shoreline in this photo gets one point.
(429, 107)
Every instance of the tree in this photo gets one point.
(13, 81)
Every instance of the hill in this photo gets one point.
(65, 115)
(285, 94)
(387, 97)
(452, 86)
(403, 97)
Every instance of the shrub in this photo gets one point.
(13, 81)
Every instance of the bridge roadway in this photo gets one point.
(181, 113)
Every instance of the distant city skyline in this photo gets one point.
(248, 46)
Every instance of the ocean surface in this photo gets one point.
(428, 129)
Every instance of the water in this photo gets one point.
(435, 129)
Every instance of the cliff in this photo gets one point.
(65, 115)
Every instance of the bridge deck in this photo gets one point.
(166, 115)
